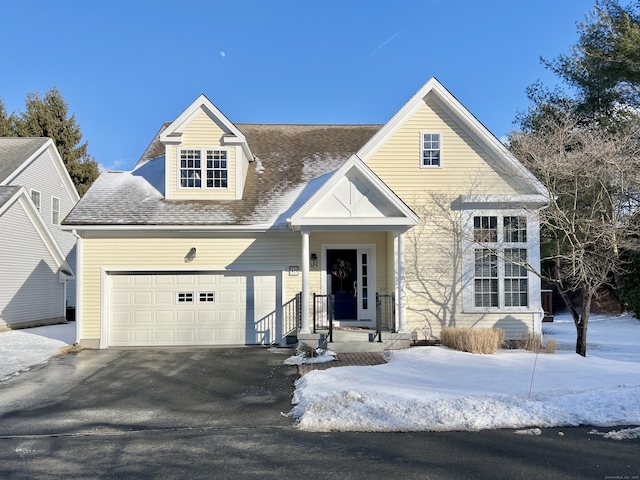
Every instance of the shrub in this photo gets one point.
(532, 342)
(472, 340)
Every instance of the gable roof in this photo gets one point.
(495, 149)
(353, 196)
(173, 132)
(12, 195)
(15, 151)
(291, 156)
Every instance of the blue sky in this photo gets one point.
(125, 67)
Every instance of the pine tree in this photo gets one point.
(48, 117)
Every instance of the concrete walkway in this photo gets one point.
(345, 360)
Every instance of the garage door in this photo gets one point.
(204, 308)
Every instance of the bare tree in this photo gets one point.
(593, 177)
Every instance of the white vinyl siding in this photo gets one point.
(29, 286)
(55, 211)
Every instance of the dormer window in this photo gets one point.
(214, 169)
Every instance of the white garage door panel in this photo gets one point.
(227, 309)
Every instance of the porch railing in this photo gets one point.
(385, 313)
(323, 313)
(293, 314)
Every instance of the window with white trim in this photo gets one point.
(55, 211)
(213, 169)
(185, 297)
(35, 197)
(500, 277)
(430, 149)
(206, 297)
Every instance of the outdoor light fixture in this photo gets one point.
(314, 260)
(189, 257)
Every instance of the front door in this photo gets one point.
(351, 281)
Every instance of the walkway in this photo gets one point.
(345, 360)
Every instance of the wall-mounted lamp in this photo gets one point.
(189, 257)
(314, 260)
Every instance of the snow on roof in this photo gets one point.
(294, 161)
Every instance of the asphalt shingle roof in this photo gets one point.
(6, 193)
(15, 151)
(292, 156)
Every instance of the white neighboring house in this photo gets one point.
(37, 258)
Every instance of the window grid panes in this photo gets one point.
(485, 229)
(365, 282)
(190, 169)
(515, 229)
(35, 197)
(430, 149)
(516, 287)
(217, 169)
(486, 278)
(207, 297)
(185, 297)
(55, 211)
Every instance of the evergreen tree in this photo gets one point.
(6, 127)
(48, 117)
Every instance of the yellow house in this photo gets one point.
(242, 234)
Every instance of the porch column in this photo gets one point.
(402, 294)
(304, 327)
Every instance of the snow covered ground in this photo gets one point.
(438, 389)
(22, 349)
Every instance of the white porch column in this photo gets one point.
(304, 327)
(401, 285)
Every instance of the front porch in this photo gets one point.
(326, 331)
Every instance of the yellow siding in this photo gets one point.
(202, 132)
(433, 268)
(168, 253)
(464, 164)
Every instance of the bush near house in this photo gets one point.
(476, 340)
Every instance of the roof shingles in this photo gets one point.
(291, 156)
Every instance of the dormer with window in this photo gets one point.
(206, 156)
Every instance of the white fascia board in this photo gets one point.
(488, 141)
(175, 228)
(10, 201)
(361, 167)
(64, 174)
(535, 201)
(400, 117)
(177, 126)
(444, 98)
(357, 222)
(24, 200)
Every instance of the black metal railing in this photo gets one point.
(323, 314)
(293, 314)
(385, 313)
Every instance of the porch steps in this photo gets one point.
(359, 340)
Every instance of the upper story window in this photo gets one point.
(55, 211)
(430, 149)
(214, 168)
(35, 197)
(515, 229)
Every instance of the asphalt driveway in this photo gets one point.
(218, 413)
(142, 389)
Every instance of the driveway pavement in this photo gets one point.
(219, 413)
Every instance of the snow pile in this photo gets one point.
(320, 356)
(437, 389)
(22, 349)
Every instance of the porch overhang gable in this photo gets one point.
(353, 198)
